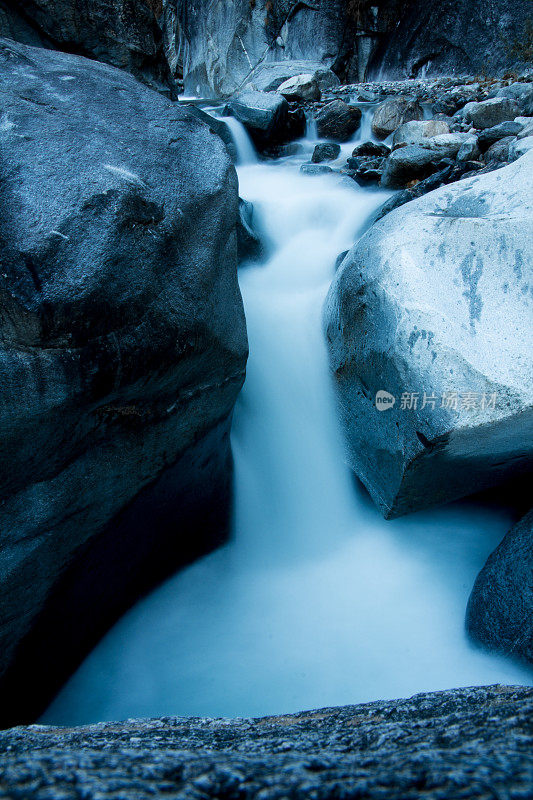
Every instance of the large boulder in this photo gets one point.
(418, 131)
(123, 351)
(389, 115)
(124, 33)
(264, 115)
(489, 113)
(301, 87)
(522, 93)
(338, 121)
(500, 610)
(428, 327)
(453, 37)
(268, 76)
(464, 743)
(409, 163)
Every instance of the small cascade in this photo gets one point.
(311, 131)
(243, 144)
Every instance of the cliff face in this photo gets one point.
(454, 36)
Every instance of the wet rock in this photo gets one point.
(264, 115)
(315, 169)
(409, 163)
(371, 149)
(123, 351)
(327, 151)
(451, 745)
(249, 244)
(268, 76)
(418, 131)
(499, 610)
(490, 136)
(301, 87)
(433, 306)
(499, 151)
(338, 121)
(489, 113)
(392, 113)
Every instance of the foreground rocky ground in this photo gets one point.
(464, 743)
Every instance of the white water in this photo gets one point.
(316, 600)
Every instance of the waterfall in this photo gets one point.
(243, 144)
(316, 600)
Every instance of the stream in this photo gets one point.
(316, 600)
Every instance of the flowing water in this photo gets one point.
(316, 600)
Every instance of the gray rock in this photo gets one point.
(469, 150)
(417, 131)
(264, 116)
(520, 147)
(465, 743)
(392, 113)
(490, 136)
(124, 33)
(522, 93)
(231, 46)
(489, 113)
(527, 126)
(325, 151)
(301, 87)
(268, 76)
(315, 169)
(338, 121)
(500, 609)
(371, 149)
(407, 164)
(435, 299)
(249, 244)
(446, 145)
(123, 351)
(499, 151)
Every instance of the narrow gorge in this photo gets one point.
(267, 405)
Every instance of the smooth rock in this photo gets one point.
(435, 299)
(499, 613)
(527, 126)
(326, 151)
(263, 114)
(520, 148)
(392, 113)
(301, 87)
(490, 136)
(315, 169)
(489, 113)
(123, 351)
(338, 121)
(462, 744)
(418, 131)
(408, 163)
(249, 244)
(371, 149)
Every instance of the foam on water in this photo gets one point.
(316, 600)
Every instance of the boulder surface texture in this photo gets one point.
(124, 33)
(500, 610)
(122, 350)
(454, 745)
(433, 307)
